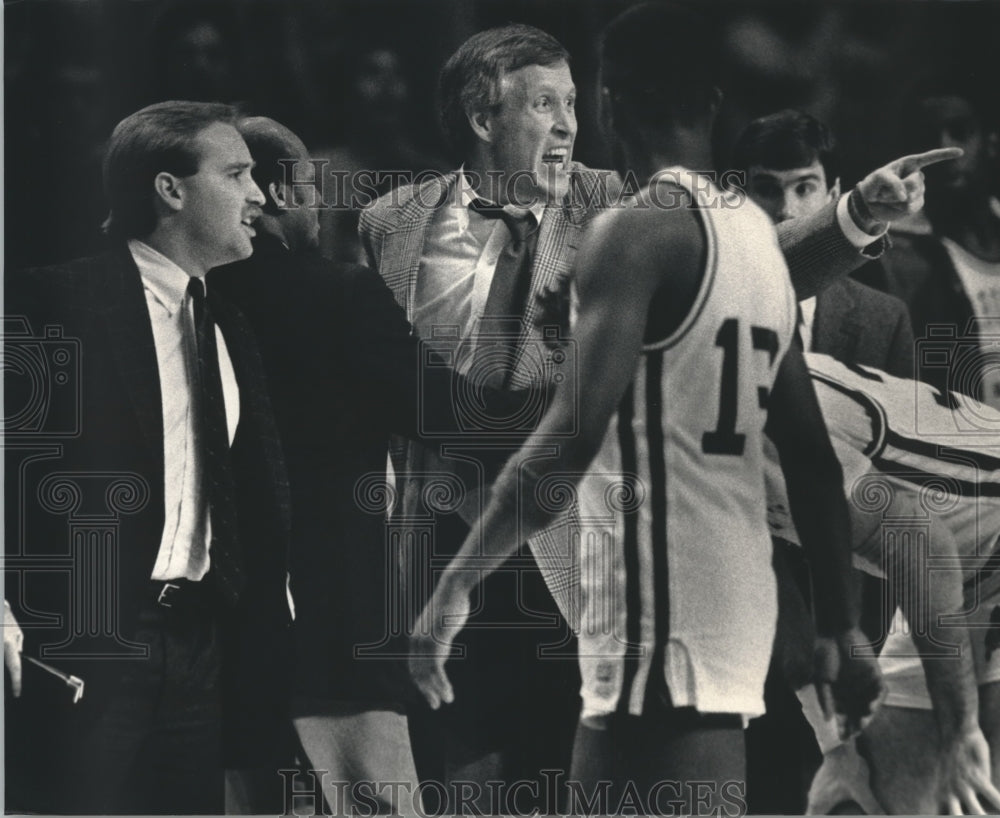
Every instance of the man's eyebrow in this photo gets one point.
(553, 91)
(241, 165)
(770, 177)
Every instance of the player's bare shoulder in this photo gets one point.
(650, 237)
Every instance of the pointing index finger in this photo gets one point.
(916, 161)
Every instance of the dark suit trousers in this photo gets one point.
(516, 689)
(157, 747)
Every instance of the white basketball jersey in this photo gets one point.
(679, 593)
(945, 448)
(942, 452)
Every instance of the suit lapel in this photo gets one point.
(236, 346)
(126, 317)
(558, 239)
(256, 440)
(248, 368)
(837, 331)
(403, 246)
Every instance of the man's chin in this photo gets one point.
(548, 185)
(245, 250)
(553, 185)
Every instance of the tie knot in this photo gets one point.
(520, 226)
(196, 288)
(520, 222)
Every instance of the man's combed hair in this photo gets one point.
(787, 140)
(471, 79)
(159, 138)
(660, 63)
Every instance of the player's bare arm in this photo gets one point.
(621, 268)
(965, 776)
(819, 509)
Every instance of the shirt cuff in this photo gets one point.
(854, 234)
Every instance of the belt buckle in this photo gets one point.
(165, 593)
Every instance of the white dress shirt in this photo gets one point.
(460, 256)
(854, 234)
(187, 530)
(808, 307)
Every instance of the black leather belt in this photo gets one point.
(182, 594)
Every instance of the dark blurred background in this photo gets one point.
(356, 80)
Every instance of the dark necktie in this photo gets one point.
(508, 290)
(512, 277)
(212, 442)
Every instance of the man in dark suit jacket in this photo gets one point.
(343, 371)
(147, 522)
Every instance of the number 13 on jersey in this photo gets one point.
(725, 439)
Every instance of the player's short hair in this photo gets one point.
(659, 60)
(159, 138)
(472, 76)
(786, 140)
(269, 142)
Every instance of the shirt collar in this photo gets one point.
(465, 195)
(162, 277)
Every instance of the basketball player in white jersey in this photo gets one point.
(922, 470)
(684, 317)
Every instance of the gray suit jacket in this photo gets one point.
(858, 325)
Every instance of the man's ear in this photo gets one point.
(481, 122)
(834, 194)
(276, 193)
(169, 190)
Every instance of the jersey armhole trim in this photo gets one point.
(871, 407)
(711, 266)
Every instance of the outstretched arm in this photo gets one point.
(817, 247)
